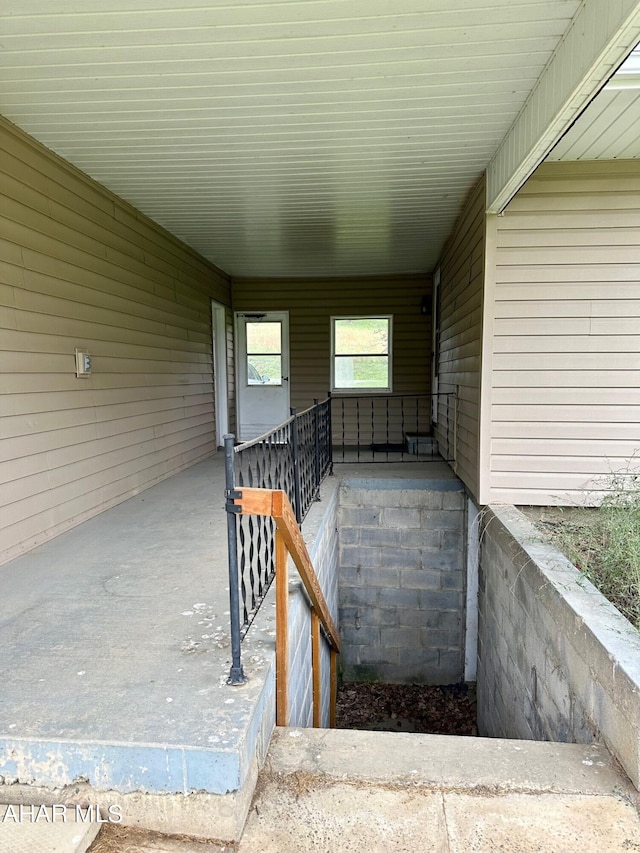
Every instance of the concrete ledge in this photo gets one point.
(446, 761)
(566, 663)
(375, 791)
(399, 483)
(160, 767)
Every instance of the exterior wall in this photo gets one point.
(311, 303)
(460, 334)
(80, 268)
(556, 660)
(402, 562)
(564, 361)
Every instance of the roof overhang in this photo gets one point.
(598, 40)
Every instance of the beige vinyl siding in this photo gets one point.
(565, 395)
(80, 268)
(312, 302)
(461, 288)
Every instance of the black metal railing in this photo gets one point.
(393, 427)
(313, 454)
(295, 457)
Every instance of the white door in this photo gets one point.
(263, 372)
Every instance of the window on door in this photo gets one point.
(361, 353)
(264, 353)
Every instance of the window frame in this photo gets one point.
(365, 390)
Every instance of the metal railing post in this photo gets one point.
(316, 485)
(330, 430)
(296, 465)
(236, 674)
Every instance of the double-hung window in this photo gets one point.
(361, 353)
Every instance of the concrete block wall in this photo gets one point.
(321, 537)
(556, 661)
(402, 580)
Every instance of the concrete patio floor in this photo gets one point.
(116, 649)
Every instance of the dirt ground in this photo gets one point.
(449, 710)
(123, 839)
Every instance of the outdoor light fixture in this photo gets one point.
(425, 305)
(83, 363)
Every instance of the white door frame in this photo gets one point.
(261, 405)
(219, 343)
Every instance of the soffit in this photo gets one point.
(600, 37)
(297, 138)
(609, 129)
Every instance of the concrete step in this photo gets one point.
(34, 829)
(334, 790)
(324, 790)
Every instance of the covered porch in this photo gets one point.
(321, 159)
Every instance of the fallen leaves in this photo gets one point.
(447, 709)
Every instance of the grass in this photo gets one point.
(604, 544)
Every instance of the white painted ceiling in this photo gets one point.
(283, 137)
(609, 129)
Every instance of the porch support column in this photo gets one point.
(598, 39)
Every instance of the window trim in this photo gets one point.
(361, 389)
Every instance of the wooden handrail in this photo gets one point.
(275, 504)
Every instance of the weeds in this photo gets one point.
(617, 573)
(604, 543)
